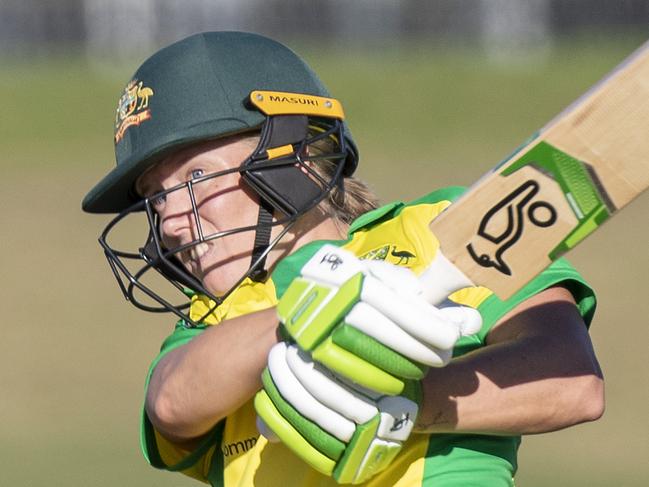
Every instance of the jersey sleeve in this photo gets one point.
(492, 308)
(162, 453)
(559, 273)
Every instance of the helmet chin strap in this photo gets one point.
(262, 241)
(284, 188)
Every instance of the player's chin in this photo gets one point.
(221, 279)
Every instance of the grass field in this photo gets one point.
(74, 355)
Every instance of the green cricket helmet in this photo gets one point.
(194, 90)
(209, 86)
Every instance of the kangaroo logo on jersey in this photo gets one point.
(132, 108)
(503, 225)
(403, 256)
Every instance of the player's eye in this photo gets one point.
(158, 201)
(197, 173)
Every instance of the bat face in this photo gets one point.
(585, 165)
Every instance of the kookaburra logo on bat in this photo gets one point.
(503, 225)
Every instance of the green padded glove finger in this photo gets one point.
(358, 370)
(310, 310)
(289, 435)
(374, 352)
(316, 436)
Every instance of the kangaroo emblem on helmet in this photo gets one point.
(132, 108)
(143, 93)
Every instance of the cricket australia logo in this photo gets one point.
(503, 225)
(377, 254)
(132, 108)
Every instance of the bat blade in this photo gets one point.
(580, 169)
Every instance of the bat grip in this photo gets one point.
(441, 279)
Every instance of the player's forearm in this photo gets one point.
(198, 384)
(505, 390)
(538, 373)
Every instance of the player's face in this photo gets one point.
(222, 203)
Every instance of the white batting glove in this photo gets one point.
(338, 430)
(369, 321)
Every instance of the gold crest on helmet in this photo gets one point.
(132, 108)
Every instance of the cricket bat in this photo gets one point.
(585, 165)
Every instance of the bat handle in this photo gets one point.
(441, 279)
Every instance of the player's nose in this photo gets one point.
(177, 215)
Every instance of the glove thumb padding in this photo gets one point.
(399, 279)
(467, 319)
(405, 282)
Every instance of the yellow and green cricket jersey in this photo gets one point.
(234, 454)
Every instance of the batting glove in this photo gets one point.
(334, 427)
(368, 320)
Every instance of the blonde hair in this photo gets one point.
(350, 198)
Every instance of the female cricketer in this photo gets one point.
(304, 352)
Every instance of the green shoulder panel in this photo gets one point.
(180, 336)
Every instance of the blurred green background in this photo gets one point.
(73, 354)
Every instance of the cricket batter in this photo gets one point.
(305, 353)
